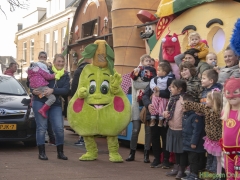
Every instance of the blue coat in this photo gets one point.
(207, 90)
(193, 132)
(60, 88)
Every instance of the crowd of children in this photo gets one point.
(198, 128)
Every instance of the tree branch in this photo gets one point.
(16, 4)
(3, 12)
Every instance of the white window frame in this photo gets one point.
(50, 6)
(46, 43)
(55, 43)
(63, 33)
(32, 50)
(6, 62)
(59, 5)
(24, 53)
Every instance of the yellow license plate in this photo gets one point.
(8, 127)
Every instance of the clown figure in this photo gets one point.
(231, 129)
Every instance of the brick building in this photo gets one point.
(92, 21)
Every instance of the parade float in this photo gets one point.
(204, 16)
(212, 19)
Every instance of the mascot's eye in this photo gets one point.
(174, 39)
(150, 28)
(146, 29)
(104, 87)
(163, 39)
(92, 88)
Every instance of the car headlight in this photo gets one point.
(31, 114)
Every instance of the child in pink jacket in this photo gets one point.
(39, 75)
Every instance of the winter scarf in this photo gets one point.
(172, 105)
(59, 73)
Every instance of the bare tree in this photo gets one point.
(16, 4)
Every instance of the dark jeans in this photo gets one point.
(196, 161)
(182, 159)
(156, 132)
(64, 113)
(50, 132)
(55, 116)
(135, 133)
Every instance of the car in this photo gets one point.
(17, 122)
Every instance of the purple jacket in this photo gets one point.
(38, 77)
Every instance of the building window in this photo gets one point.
(90, 28)
(46, 43)
(6, 62)
(24, 53)
(31, 50)
(63, 34)
(55, 42)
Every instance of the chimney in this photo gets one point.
(20, 26)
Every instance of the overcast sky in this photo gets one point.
(9, 25)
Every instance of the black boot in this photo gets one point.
(42, 154)
(131, 156)
(60, 152)
(181, 172)
(146, 156)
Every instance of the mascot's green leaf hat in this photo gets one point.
(99, 51)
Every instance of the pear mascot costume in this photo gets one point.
(99, 106)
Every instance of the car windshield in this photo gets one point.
(9, 85)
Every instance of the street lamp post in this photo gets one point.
(21, 63)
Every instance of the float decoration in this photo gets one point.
(170, 47)
(162, 24)
(145, 16)
(169, 7)
(235, 40)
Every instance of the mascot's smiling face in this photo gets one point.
(94, 108)
(98, 91)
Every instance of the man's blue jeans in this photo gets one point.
(55, 116)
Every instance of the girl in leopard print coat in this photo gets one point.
(213, 123)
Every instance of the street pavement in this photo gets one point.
(18, 162)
